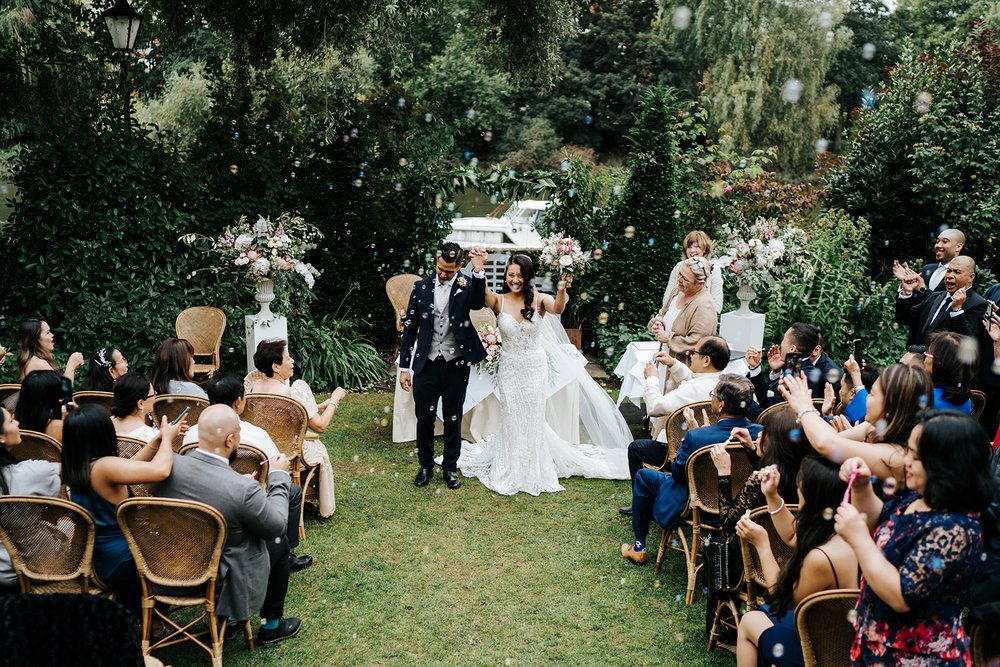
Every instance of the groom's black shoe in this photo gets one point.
(423, 477)
(625, 511)
(451, 479)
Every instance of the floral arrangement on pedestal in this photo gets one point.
(563, 254)
(756, 254)
(489, 334)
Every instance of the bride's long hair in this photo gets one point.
(528, 277)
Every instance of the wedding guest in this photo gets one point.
(40, 406)
(914, 356)
(948, 246)
(984, 598)
(98, 480)
(20, 478)
(919, 551)
(277, 366)
(958, 308)
(806, 341)
(820, 560)
(173, 369)
(855, 386)
(697, 244)
(35, 344)
(661, 496)
(689, 313)
(952, 361)
(689, 385)
(988, 377)
(132, 404)
(897, 396)
(106, 365)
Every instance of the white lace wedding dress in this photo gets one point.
(526, 454)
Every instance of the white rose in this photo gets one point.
(262, 266)
(566, 260)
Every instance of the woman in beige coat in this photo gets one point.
(692, 308)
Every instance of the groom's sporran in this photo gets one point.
(438, 345)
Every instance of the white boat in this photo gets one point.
(514, 230)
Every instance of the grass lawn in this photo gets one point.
(431, 576)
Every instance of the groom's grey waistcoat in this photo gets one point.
(443, 339)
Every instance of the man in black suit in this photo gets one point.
(806, 340)
(948, 246)
(957, 308)
(446, 345)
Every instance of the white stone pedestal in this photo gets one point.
(742, 330)
(260, 327)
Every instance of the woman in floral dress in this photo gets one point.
(920, 563)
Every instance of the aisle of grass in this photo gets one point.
(431, 576)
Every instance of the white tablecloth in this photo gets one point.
(633, 364)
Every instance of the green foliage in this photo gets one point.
(612, 341)
(183, 109)
(330, 353)
(931, 23)
(873, 320)
(631, 274)
(533, 145)
(929, 154)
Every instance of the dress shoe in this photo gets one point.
(451, 479)
(423, 477)
(287, 627)
(625, 511)
(296, 563)
(637, 557)
(231, 631)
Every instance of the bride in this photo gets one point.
(526, 454)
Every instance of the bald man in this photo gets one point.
(948, 246)
(255, 564)
(957, 308)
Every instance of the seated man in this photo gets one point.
(254, 566)
(662, 497)
(690, 385)
(227, 389)
(801, 338)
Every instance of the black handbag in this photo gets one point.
(723, 563)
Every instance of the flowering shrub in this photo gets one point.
(563, 254)
(490, 335)
(758, 253)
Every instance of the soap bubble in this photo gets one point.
(588, 119)
(602, 318)
(868, 51)
(233, 169)
(821, 146)
(922, 102)
(487, 136)
(428, 117)
(795, 435)
(778, 650)
(827, 513)
(629, 232)
(597, 254)
(791, 92)
(852, 616)
(881, 426)
(401, 102)
(889, 486)
(968, 351)
(681, 19)
(470, 114)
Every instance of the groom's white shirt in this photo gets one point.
(689, 387)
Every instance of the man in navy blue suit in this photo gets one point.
(438, 346)
(662, 497)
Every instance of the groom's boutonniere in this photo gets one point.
(462, 282)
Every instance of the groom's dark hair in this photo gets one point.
(451, 253)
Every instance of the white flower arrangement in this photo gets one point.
(757, 253)
(269, 249)
(563, 254)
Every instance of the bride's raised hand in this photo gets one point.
(478, 257)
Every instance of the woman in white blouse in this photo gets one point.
(133, 401)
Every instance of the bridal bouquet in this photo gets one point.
(563, 254)
(756, 253)
(490, 335)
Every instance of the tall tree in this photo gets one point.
(934, 22)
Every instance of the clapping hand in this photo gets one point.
(958, 299)
(692, 421)
(3, 353)
(753, 357)
(829, 398)
(774, 358)
(992, 326)
(796, 391)
(840, 423)
(901, 271)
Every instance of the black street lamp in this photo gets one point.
(123, 24)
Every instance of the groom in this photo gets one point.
(437, 319)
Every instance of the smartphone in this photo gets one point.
(793, 364)
(178, 418)
(66, 392)
(991, 309)
(857, 350)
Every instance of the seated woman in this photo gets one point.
(952, 364)
(920, 549)
(98, 480)
(173, 369)
(856, 384)
(697, 244)
(688, 312)
(106, 365)
(20, 478)
(35, 343)
(277, 367)
(820, 560)
(132, 404)
(897, 396)
(40, 406)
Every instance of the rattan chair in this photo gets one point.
(676, 428)
(35, 445)
(203, 327)
(703, 504)
(127, 448)
(249, 461)
(286, 421)
(398, 290)
(8, 390)
(101, 398)
(50, 542)
(978, 403)
(177, 545)
(753, 573)
(824, 628)
(985, 645)
(770, 410)
(483, 316)
(171, 405)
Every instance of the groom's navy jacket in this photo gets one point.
(418, 323)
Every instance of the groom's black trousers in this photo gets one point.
(447, 381)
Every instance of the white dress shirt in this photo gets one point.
(689, 387)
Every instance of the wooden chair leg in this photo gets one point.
(248, 631)
(659, 552)
(216, 638)
(692, 562)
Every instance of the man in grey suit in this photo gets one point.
(255, 565)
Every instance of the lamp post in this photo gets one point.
(123, 24)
